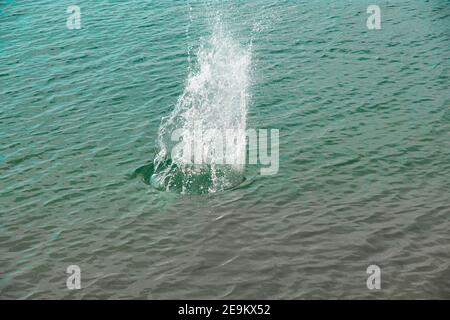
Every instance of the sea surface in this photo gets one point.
(364, 152)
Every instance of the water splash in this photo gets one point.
(216, 96)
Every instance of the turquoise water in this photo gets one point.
(364, 173)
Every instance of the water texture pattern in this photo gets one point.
(364, 173)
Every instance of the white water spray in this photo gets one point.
(216, 97)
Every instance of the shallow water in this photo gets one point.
(364, 153)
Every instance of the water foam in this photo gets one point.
(216, 97)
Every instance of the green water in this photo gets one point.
(364, 173)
